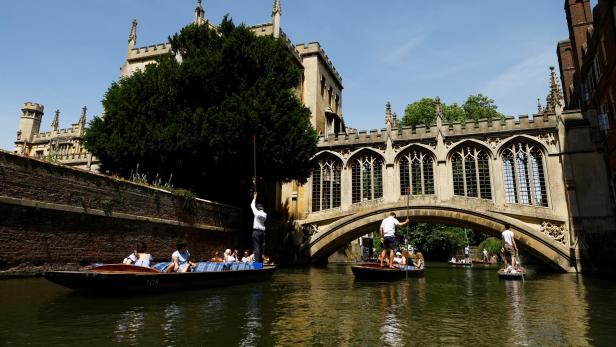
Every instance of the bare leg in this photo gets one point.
(391, 258)
(382, 257)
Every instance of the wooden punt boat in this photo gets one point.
(481, 262)
(460, 264)
(518, 275)
(374, 271)
(129, 279)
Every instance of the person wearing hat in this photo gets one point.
(258, 228)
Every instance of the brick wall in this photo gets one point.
(52, 214)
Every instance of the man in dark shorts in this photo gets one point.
(388, 237)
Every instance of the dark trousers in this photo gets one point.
(258, 236)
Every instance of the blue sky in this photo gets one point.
(65, 53)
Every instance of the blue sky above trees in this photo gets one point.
(65, 53)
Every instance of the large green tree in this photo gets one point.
(195, 118)
(476, 107)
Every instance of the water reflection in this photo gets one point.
(129, 325)
(326, 307)
(516, 309)
(391, 333)
(253, 320)
(173, 318)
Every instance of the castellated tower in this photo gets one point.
(30, 121)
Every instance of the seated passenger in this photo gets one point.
(179, 259)
(399, 259)
(229, 258)
(139, 257)
(248, 258)
(419, 262)
(216, 258)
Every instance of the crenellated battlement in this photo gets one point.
(33, 106)
(315, 48)
(522, 124)
(149, 52)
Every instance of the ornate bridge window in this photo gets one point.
(471, 172)
(367, 177)
(326, 190)
(416, 173)
(524, 175)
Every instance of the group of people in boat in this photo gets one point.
(233, 257)
(509, 252)
(180, 258)
(396, 258)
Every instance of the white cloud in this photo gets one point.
(402, 51)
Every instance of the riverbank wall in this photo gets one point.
(56, 217)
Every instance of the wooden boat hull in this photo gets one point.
(371, 271)
(148, 282)
(460, 264)
(511, 276)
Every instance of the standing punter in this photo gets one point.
(388, 237)
(258, 228)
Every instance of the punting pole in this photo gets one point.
(254, 160)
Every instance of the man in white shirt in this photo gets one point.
(510, 246)
(388, 237)
(258, 228)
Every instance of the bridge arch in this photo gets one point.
(344, 230)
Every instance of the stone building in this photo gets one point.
(587, 65)
(59, 145)
(320, 86)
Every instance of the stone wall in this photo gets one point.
(52, 215)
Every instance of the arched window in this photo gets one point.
(524, 175)
(471, 172)
(367, 176)
(326, 190)
(416, 173)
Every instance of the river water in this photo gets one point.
(324, 306)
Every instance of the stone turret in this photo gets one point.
(199, 14)
(554, 100)
(30, 121)
(439, 113)
(82, 120)
(388, 116)
(55, 123)
(276, 14)
(132, 37)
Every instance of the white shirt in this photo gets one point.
(389, 226)
(260, 217)
(508, 237)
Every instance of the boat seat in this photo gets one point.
(161, 266)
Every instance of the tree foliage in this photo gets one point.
(476, 107)
(491, 244)
(436, 240)
(195, 118)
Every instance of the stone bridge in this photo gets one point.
(479, 175)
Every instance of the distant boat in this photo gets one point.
(512, 275)
(460, 264)
(481, 262)
(130, 279)
(373, 271)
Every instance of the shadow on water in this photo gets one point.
(323, 306)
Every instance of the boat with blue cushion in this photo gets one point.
(374, 271)
(130, 279)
